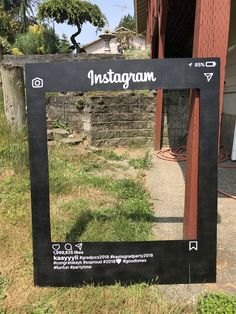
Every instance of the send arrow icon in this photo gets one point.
(193, 245)
(208, 76)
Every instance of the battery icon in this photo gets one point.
(210, 64)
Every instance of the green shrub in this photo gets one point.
(137, 54)
(50, 41)
(38, 40)
(27, 43)
(216, 303)
(81, 103)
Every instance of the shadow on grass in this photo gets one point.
(79, 226)
(116, 223)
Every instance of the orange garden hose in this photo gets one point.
(227, 194)
(178, 154)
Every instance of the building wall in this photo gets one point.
(99, 46)
(229, 104)
(230, 77)
(139, 43)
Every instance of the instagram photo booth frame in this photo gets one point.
(160, 262)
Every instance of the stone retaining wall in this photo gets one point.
(122, 119)
(126, 119)
(175, 118)
(118, 119)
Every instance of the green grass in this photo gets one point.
(128, 218)
(110, 155)
(3, 286)
(141, 163)
(13, 147)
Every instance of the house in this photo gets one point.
(98, 45)
(194, 28)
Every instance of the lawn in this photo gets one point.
(91, 190)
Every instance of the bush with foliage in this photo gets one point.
(38, 40)
(125, 38)
(217, 303)
(136, 53)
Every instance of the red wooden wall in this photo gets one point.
(210, 40)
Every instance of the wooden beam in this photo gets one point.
(162, 19)
(210, 40)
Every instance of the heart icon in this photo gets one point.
(118, 260)
(56, 247)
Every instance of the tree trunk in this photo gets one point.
(14, 96)
(72, 38)
(74, 42)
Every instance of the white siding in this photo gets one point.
(139, 43)
(99, 45)
(230, 76)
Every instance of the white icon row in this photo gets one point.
(67, 246)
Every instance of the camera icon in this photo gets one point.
(37, 82)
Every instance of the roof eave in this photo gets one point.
(141, 15)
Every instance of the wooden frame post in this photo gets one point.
(210, 40)
(162, 18)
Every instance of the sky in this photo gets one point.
(114, 10)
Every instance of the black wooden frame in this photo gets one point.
(173, 262)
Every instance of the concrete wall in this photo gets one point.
(21, 60)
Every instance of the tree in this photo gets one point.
(63, 44)
(24, 10)
(128, 22)
(9, 4)
(8, 28)
(21, 11)
(74, 12)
